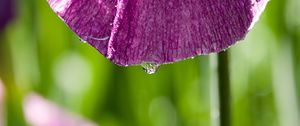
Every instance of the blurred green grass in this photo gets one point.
(40, 54)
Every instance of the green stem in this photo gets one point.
(224, 89)
(13, 102)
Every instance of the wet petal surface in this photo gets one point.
(132, 32)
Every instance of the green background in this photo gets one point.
(39, 53)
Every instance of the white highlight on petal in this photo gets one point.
(119, 16)
(59, 6)
(257, 9)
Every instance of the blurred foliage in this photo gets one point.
(39, 53)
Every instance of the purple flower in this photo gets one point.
(6, 12)
(132, 32)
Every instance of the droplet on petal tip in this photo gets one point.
(83, 41)
(150, 68)
(159, 31)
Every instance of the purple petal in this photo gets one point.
(131, 32)
(91, 20)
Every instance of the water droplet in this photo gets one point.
(83, 41)
(150, 68)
